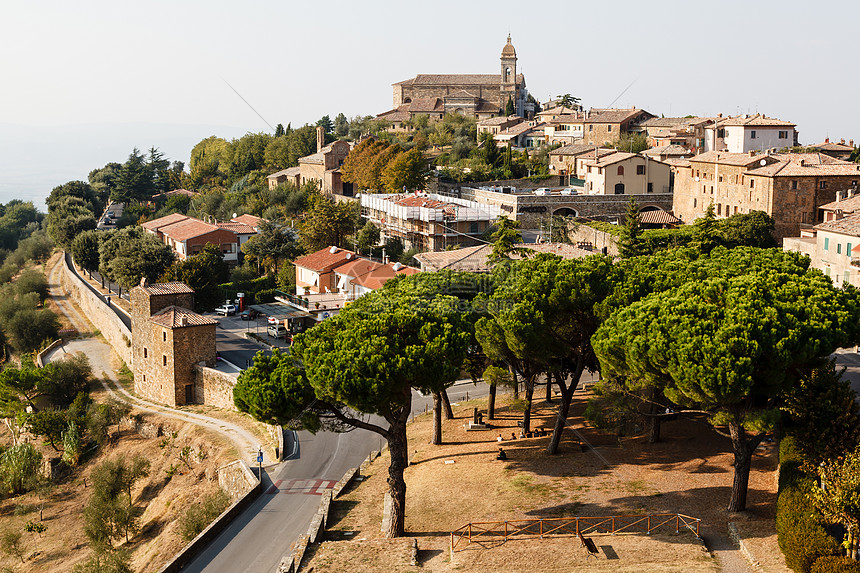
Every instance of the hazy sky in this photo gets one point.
(120, 74)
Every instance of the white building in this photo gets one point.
(744, 133)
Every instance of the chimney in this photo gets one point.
(851, 142)
(719, 115)
(842, 141)
(826, 140)
(752, 152)
(838, 196)
(183, 320)
(803, 162)
(320, 138)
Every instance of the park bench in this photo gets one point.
(589, 545)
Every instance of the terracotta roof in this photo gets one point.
(558, 110)
(757, 120)
(614, 115)
(424, 105)
(288, 172)
(395, 115)
(807, 165)
(579, 149)
(611, 158)
(677, 161)
(499, 120)
(726, 158)
(668, 151)
(164, 221)
(849, 205)
(380, 275)
(456, 79)
(519, 129)
(474, 259)
(188, 229)
(249, 220)
(357, 267)
(238, 228)
(168, 288)
(324, 259)
(658, 217)
(675, 122)
(178, 317)
(830, 146)
(849, 225)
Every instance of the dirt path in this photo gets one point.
(105, 362)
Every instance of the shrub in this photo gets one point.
(801, 532)
(18, 466)
(199, 516)
(834, 564)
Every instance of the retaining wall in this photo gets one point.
(205, 536)
(599, 239)
(104, 318)
(213, 387)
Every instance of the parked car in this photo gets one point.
(226, 309)
(278, 331)
(249, 314)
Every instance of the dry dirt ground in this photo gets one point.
(448, 486)
(64, 544)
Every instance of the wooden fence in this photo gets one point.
(481, 531)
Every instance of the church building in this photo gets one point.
(478, 95)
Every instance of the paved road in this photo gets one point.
(258, 539)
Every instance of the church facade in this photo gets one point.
(478, 95)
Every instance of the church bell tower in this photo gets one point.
(508, 87)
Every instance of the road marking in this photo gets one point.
(302, 486)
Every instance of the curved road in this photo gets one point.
(257, 540)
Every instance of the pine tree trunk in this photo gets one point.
(396, 484)
(549, 388)
(516, 385)
(436, 439)
(653, 429)
(449, 413)
(743, 451)
(527, 415)
(563, 409)
(491, 403)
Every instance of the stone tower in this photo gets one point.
(508, 87)
(168, 340)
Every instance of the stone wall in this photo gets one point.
(104, 318)
(599, 239)
(214, 388)
(237, 479)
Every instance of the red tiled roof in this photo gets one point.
(658, 217)
(357, 267)
(250, 220)
(324, 259)
(382, 274)
(168, 288)
(237, 227)
(849, 205)
(456, 79)
(178, 317)
(187, 229)
(164, 221)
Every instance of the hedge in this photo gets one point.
(834, 564)
(800, 529)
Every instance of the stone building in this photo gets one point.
(168, 341)
(476, 95)
(790, 187)
(623, 173)
(322, 167)
(744, 133)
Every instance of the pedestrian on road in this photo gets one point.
(107, 300)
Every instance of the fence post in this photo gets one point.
(470, 532)
(452, 542)
(506, 530)
(541, 528)
(613, 525)
(697, 528)
(677, 522)
(649, 524)
(577, 527)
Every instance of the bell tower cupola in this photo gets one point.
(509, 74)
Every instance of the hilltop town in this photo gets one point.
(473, 331)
